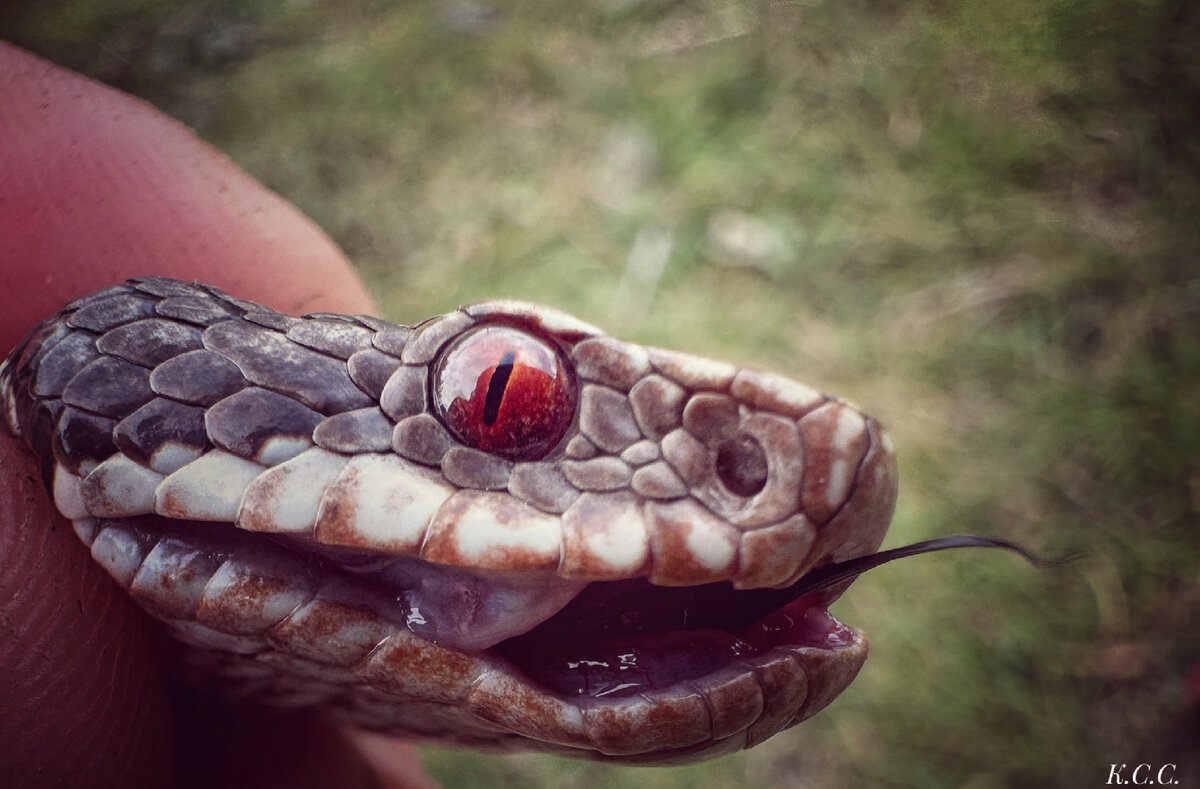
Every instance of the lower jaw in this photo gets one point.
(676, 697)
(736, 705)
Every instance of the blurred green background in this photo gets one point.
(979, 220)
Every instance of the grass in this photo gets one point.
(975, 219)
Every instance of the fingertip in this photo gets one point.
(85, 694)
(108, 188)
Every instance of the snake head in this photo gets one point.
(500, 527)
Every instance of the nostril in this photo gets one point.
(742, 466)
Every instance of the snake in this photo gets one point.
(499, 528)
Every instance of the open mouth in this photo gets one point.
(581, 640)
(576, 640)
(573, 639)
(622, 669)
(619, 638)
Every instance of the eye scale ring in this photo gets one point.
(502, 390)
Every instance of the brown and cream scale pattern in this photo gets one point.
(157, 405)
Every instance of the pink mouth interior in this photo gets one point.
(605, 638)
(626, 637)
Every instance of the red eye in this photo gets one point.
(505, 392)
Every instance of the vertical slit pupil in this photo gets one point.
(495, 392)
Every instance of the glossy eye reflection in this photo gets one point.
(503, 391)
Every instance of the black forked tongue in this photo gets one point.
(753, 604)
(621, 608)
